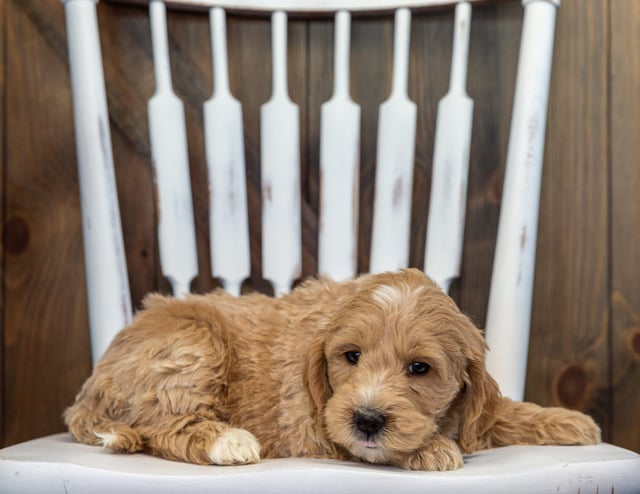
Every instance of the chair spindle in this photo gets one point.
(170, 161)
(280, 153)
(339, 166)
(224, 148)
(395, 161)
(108, 293)
(509, 310)
(448, 200)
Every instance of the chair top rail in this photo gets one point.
(310, 7)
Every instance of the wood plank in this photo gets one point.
(371, 84)
(3, 116)
(46, 339)
(432, 35)
(297, 64)
(491, 84)
(568, 354)
(320, 86)
(624, 26)
(242, 35)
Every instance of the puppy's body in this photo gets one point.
(382, 369)
(207, 358)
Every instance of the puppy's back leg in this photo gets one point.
(190, 397)
(90, 427)
(201, 439)
(527, 423)
(163, 385)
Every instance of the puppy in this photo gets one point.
(383, 369)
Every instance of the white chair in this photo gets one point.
(58, 464)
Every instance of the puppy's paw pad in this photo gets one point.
(235, 447)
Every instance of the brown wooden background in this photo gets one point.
(585, 341)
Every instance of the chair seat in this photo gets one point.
(58, 464)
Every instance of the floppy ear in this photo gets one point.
(315, 376)
(481, 397)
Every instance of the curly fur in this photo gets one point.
(224, 380)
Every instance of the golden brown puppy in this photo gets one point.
(383, 369)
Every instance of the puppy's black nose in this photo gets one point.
(369, 421)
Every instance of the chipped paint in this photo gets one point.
(398, 192)
(267, 193)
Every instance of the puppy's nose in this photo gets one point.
(369, 421)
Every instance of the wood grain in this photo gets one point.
(569, 331)
(370, 86)
(3, 30)
(491, 84)
(250, 76)
(45, 334)
(320, 87)
(625, 222)
(588, 240)
(431, 38)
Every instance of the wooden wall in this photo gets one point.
(585, 341)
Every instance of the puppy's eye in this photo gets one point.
(418, 368)
(352, 357)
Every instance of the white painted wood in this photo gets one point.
(509, 311)
(107, 282)
(170, 160)
(448, 200)
(280, 153)
(57, 465)
(394, 169)
(339, 167)
(307, 6)
(224, 146)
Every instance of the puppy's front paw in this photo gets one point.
(571, 427)
(441, 454)
(589, 431)
(235, 447)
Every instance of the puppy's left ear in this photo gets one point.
(315, 376)
(481, 396)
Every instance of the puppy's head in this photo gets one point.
(396, 364)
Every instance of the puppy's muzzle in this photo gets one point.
(369, 421)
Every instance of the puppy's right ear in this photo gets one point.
(316, 377)
(481, 396)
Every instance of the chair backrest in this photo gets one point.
(512, 281)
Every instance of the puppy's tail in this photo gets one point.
(89, 427)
